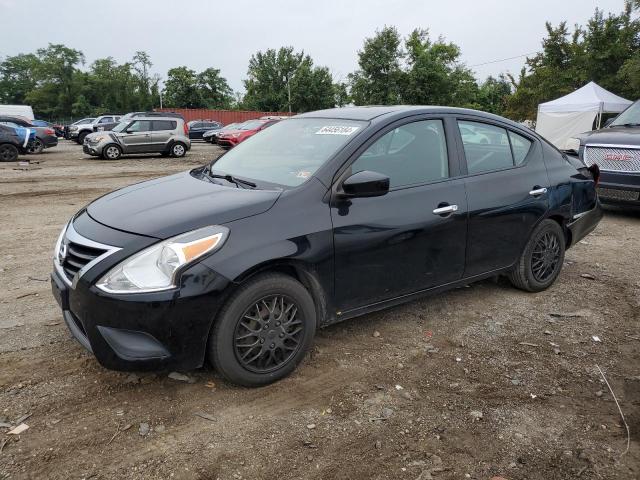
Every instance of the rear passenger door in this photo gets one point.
(506, 186)
(163, 132)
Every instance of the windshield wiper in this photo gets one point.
(231, 179)
(626, 125)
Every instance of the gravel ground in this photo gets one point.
(478, 382)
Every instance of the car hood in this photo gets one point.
(232, 132)
(612, 135)
(172, 205)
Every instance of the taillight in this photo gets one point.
(49, 131)
(186, 129)
(595, 173)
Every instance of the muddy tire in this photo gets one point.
(111, 152)
(263, 331)
(542, 258)
(8, 153)
(36, 147)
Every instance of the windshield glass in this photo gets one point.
(630, 115)
(121, 126)
(250, 125)
(289, 152)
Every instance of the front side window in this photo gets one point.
(411, 154)
(289, 152)
(486, 147)
(106, 120)
(140, 126)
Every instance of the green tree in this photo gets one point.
(379, 79)
(181, 89)
(17, 77)
(493, 94)
(286, 80)
(214, 90)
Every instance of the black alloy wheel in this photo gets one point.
(269, 334)
(8, 153)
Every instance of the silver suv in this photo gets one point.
(167, 136)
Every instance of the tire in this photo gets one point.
(81, 137)
(542, 258)
(255, 311)
(8, 153)
(36, 147)
(111, 152)
(178, 150)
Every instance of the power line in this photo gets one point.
(502, 60)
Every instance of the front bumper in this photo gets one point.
(89, 149)
(228, 142)
(146, 331)
(619, 187)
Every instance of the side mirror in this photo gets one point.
(609, 122)
(128, 130)
(365, 184)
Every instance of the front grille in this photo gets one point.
(615, 194)
(613, 159)
(77, 257)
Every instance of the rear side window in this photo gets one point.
(106, 120)
(164, 125)
(488, 147)
(414, 153)
(520, 146)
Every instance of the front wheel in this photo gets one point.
(111, 152)
(263, 331)
(542, 259)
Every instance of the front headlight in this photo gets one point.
(98, 138)
(155, 268)
(73, 128)
(235, 135)
(573, 144)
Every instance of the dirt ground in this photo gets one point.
(479, 382)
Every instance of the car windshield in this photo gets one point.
(251, 125)
(120, 127)
(631, 116)
(289, 152)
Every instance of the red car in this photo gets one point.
(245, 130)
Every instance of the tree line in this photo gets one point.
(392, 69)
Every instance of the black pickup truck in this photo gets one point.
(616, 150)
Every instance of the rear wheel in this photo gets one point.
(178, 149)
(36, 147)
(8, 153)
(111, 152)
(542, 259)
(264, 331)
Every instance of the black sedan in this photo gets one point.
(323, 217)
(199, 127)
(616, 150)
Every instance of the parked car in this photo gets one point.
(198, 128)
(78, 131)
(45, 136)
(320, 218)
(212, 135)
(233, 137)
(58, 129)
(109, 126)
(14, 141)
(164, 135)
(616, 150)
(83, 121)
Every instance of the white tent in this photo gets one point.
(563, 118)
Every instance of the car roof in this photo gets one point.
(369, 113)
(173, 119)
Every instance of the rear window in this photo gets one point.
(164, 125)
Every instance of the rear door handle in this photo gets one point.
(445, 210)
(537, 191)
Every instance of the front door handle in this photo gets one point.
(445, 210)
(537, 191)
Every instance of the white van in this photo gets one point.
(17, 110)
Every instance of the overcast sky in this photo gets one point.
(224, 34)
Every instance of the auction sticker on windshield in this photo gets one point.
(336, 130)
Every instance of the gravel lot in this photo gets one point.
(479, 382)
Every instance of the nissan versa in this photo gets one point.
(319, 218)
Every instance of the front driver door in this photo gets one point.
(137, 137)
(396, 244)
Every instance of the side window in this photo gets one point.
(164, 125)
(140, 126)
(411, 154)
(106, 120)
(486, 147)
(520, 146)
